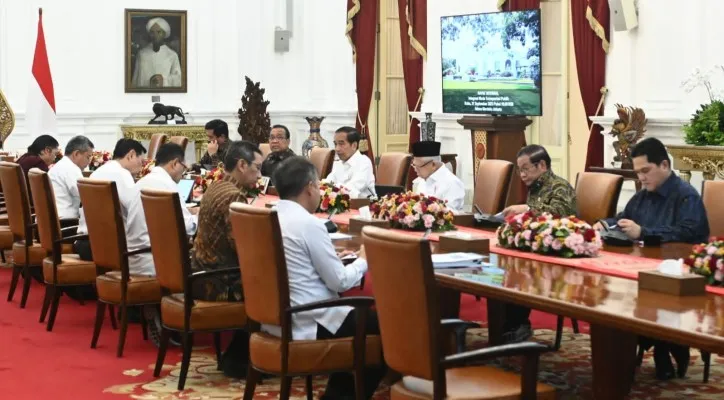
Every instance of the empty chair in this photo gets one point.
(182, 141)
(406, 298)
(597, 195)
(492, 185)
(157, 139)
(392, 169)
(322, 158)
(712, 192)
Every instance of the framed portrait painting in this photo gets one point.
(155, 51)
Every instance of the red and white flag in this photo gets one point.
(40, 112)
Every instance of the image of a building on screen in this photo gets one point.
(491, 63)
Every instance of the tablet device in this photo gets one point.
(185, 189)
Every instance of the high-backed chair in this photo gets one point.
(157, 139)
(266, 293)
(597, 195)
(322, 159)
(712, 192)
(182, 141)
(27, 254)
(492, 185)
(179, 311)
(392, 169)
(107, 235)
(406, 298)
(265, 149)
(61, 270)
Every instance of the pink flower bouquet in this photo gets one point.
(99, 158)
(414, 212)
(335, 199)
(544, 234)
(707, 259)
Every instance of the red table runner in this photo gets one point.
(607, 263)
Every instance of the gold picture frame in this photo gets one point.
(155, 51)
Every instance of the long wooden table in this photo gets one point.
(615, 307)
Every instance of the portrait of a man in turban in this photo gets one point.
(155, 45)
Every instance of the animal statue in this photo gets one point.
(628, 129)
(170, 112)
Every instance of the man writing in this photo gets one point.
(316, 272)
(157, 65)
(669, 210)
(65, 174)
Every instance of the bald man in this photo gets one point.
(157, 65)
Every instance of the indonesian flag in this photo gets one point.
(40, 113)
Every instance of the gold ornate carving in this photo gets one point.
(479, 137)
(195, 133)
(7, 119)
(707, 159)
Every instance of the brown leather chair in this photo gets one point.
(712, 192)
(265, 149)
(597, 195)
(322, 158)
(406, 300)
(157, 139)
(179, 311)
(392, 169)
(182, 141)
(266, 293)
(27, 254)
(107, 235)
(62, 270)
(492, 185)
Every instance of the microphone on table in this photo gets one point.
(427, 233)
(253, 199)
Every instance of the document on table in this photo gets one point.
(456, 260)
(340, 236)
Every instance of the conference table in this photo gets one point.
(617, 311)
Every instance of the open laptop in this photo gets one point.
(185, 189)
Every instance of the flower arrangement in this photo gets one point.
(706, 127)
(546, 234)
(203, 182)
(147, 167)
(414, 212)
(257, 189)
(707, 259)
(98, 158)
(335, 199)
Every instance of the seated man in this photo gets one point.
(434, 179)
(353, 170)
(546, 193)
(65, 174)
(126, 163)
(169, 170)
(41, 154)
(316, 272)
(671, 210)
(279, 139)
(217, 131)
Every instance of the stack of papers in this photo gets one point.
(456, 260)
(339, 236)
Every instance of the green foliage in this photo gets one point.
(706, 127)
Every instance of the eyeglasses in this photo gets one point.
(526, 170)
(186, 167)
(420, 166)
(273, 138)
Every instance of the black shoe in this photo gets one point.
(662, 361)
(518, 335)
(682, 356)
(153, 321)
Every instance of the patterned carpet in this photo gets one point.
(569, 370)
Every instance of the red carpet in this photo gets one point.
(36, 364)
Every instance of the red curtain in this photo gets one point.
(413, 37)
(590, 21)
(517, 5)
(362, 34)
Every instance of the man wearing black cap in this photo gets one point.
(434, 179)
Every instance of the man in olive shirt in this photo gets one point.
(549, 193)
(279, 140)
(217, 131)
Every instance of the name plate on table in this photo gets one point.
(677, 285)
(356, 204)
(455, 242)
(464, 219)
(357, 223)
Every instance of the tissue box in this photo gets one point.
(356, 224)
(464, 219)
(677, 285)
(463, 244)
(356, 204)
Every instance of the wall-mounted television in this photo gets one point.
(491, 63)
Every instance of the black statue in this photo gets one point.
(170, 112)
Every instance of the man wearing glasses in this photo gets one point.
(547, 192)
(279, 140)
(434, 179)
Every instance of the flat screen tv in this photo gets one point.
(491, 63)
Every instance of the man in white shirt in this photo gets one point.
(126, 163)
(316, 272)
(157, 65)
(434, 179)
(65, 174)
(169, 170)
(353, 170)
